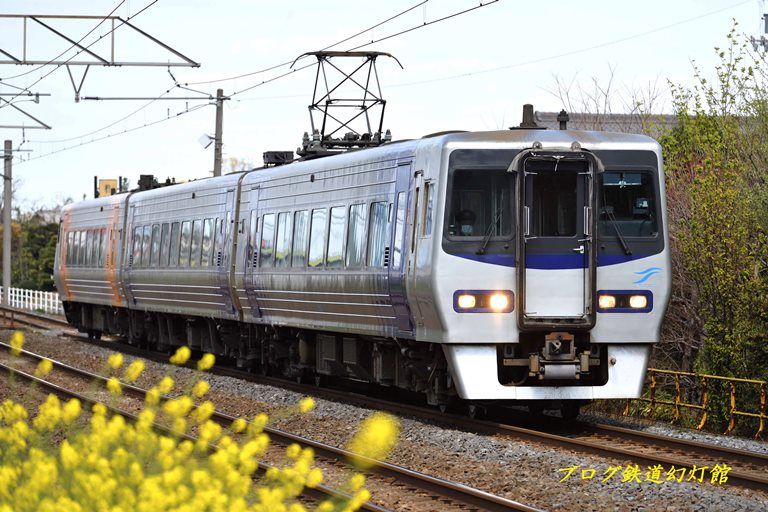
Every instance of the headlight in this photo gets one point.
(624, 301)
(466, 301)
(606, 301)
(483, 301)
(499, 302)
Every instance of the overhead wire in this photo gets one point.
(286, 63)
(27, 88)
(115, 134)
(266, 81)
(573, 52)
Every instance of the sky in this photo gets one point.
(473, 71)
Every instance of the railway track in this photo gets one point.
(749, 469)
(446, 492)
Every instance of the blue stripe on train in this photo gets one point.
(551, 261)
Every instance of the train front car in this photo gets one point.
(553, 277)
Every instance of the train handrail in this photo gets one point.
(703, 404)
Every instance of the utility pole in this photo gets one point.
(7, 186)
(219, 128)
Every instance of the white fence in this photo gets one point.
(35, 300)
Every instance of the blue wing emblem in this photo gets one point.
(646, 274)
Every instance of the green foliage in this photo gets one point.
(33, 250)
(717, 163)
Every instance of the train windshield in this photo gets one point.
(481, 204)
(627, 204)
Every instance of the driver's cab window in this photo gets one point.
(481, 203)
(627, 204)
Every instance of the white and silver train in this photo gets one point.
(518, 265)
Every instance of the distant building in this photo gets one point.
(652, 124)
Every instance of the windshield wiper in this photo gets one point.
(622, 242)
(489, 233)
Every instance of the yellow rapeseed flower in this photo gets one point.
(17, 342)
(166, 385)
(357, 481)
(206, 362)
(306, 404)
(113, 385)
(181, 356)
(134, 370)
(44, 367)
(70, 411)
(200, 388)
(115, 360)
(152, 397)
(238, 425)
(377, 436)
(314, 478)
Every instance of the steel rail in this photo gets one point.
(601, 447)
(454, 491)
(319, 492)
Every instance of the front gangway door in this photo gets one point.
(556, 253)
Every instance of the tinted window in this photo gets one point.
(88, 246)
(175, 235)
(267, 240)
(165, 245)
(358, 216)
(155, 245)
(283, 244)
(103, 248)
(627, 202)
(377, 234)
(481, 203)
(317, 237)
(300, 227)
(186, 236)
(81, 258)
(397, 253)
(335, 256)
(70, 246)
(207, 242)
(429, 193)
(553, 211)
(145, 246)
(218, 240)
(137, 247)
(197, 242)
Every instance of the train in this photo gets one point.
(525, 266)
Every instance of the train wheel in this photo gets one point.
(570, 410)
(475, 411)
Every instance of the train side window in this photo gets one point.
(300, 225)
(377, 234)
(358, 217)
(186, 234)
(175, 235)
(207, 242)
(397, 252)
(136, 255)
(103, 247)
(165, 244)
(75, 248)
(217, 241)
(429, 198)
(335, 258)
(95, 247)
(266, 251)
(146, 245)
(88, 247)
(155, 250)
(83, 252)
(70, 245)
(317, 237)
(283, 245)
(197, 242)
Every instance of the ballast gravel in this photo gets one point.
(524, 471)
